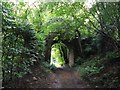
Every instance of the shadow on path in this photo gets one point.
(59, 78)
(66, 78)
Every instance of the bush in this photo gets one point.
(112, 55)
(91, 67)
(79, 61)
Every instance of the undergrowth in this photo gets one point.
(48, 68)
(101, 71)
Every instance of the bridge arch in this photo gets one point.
(70, 45)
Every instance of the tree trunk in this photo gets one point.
(71, 57)
(79, 42)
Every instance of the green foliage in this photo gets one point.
(79, 61)
(88, 48)
(102, 71)
(57, 58)
(112, 55)
(19, 44)
(91, 67)
(48, 66)
(109, 80)
(24, 31)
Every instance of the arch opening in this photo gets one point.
(59, 55)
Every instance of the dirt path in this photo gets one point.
(66, 78)
(60, 78)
